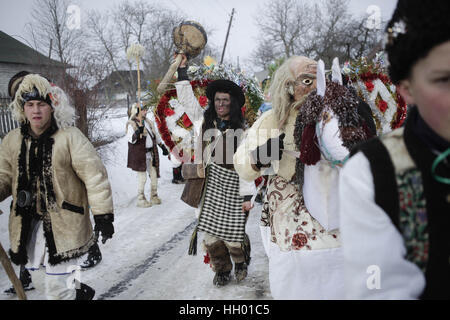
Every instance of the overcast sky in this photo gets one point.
(211, 13)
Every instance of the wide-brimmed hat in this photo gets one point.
(223, 85)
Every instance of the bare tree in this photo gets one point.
(283, 24)
(51, 31)
(325, 30)
(83, 66)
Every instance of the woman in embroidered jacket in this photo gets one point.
(395, 193)
(299, 218)
(143, 154)
(54, 175)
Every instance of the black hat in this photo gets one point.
(416, 27)
(15, 82)
(35, 95)
(225, 86)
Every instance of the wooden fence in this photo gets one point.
(7, 123)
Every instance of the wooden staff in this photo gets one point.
(136, 51)
(139, 82)
(17, 284)
(172, 69)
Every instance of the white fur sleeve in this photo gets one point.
(187, 98)
(242, 158)
(130, 133)
(329, 138)
(374, 252)
(246, 188)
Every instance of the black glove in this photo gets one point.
(164, 149)
(264, 155)
(104, 225)
(182, 74)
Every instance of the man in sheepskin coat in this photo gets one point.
(54, 176)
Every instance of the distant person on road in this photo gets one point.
(143, 154)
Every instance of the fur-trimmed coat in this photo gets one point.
(263, 129)
(72, 178)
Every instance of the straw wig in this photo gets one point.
(64, 113)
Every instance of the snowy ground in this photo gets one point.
(147, 257)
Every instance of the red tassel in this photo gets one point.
(206, 258)
(309, 150)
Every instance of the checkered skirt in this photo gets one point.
(221, 213)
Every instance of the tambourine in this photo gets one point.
(189, 38)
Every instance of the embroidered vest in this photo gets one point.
(418, 206)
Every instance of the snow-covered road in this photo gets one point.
(147, 257)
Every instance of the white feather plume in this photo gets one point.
(321, 83)
(135, 51)
(336, 75)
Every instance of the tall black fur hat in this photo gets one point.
(416, 27)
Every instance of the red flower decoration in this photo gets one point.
(401, 112)
(203, 101)
(382, 105)
(299, 240)
(369, 86)
(168, 112)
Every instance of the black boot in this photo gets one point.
(177, 177)
(25, 278)
(221, 278)
(85, 292)
(93, 258)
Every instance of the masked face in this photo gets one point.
(305, 80)
(222, 103)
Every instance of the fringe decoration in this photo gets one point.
(309, 150)
(21, 257)
(193, 244)
(56, 258)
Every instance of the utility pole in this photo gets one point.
(50, 50)
(226, 39)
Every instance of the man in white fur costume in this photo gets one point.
(143, 154)
(54, 176)
(305, 259)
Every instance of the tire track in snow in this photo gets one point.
(143, 267)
